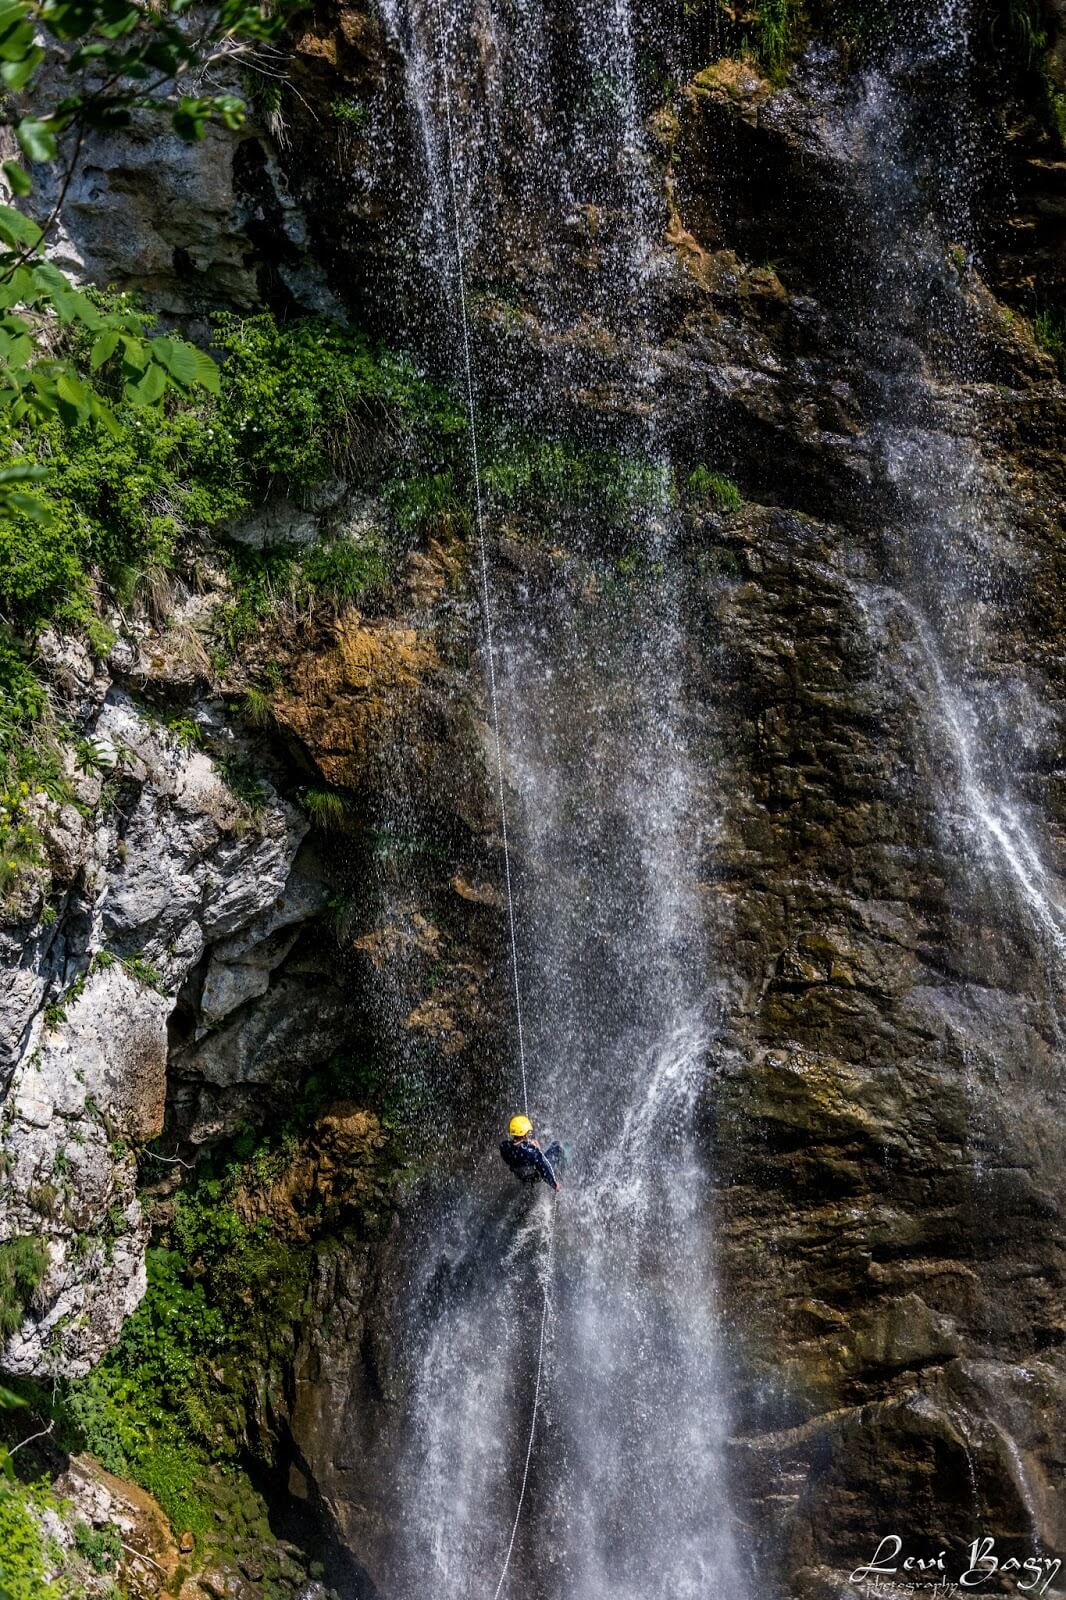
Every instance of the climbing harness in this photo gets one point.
(468, 366)
(490, 652)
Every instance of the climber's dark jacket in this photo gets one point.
(528, 1162)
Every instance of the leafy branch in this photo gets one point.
(111, 59)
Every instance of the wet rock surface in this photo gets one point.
(882, 1118)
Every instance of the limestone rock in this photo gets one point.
(89, 1077)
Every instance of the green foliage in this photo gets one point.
(144, 972)
(91, 64)
(1024, 23)
(23, 1263)
(1049, 331)
(167, 1402)
(312, 398)
(118, 504)
(140, 1411)
(325, 807)
(775, 33)
(345, 570)
(339, 571)
(532, 473)
(24, 1555)
(349, 111)
(121, 507)
(422, 499)
(100, 1547)
(38, 386)
(29, 761)
(257, 708)
(703, 484)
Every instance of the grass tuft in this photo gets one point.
(722, 492)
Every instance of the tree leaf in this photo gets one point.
(70, 304)
(16, 41)
(37, 139)
(104, 348)
(73, 391)
(150, 388)
(23, 472)
(181, 360)
(17, 74)
(102, 412)
(15, 350)
(18, 178)
(207, 375)
(134, 357)
(30, 506)
(11, 12)
(15, 287)
(17, 230)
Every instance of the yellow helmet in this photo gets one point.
(520, 1127)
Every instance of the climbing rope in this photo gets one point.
(468, 367)
(490, 652)
(536, 1405)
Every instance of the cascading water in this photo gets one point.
(949, 549)
(627, 1496)
(612, 792)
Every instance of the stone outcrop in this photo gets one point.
(142, 886)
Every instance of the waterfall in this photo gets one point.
(628, 1494)
(950, 557)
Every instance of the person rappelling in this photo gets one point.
(523, 1154)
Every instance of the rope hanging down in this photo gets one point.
(468, 367)
(536, 1404)
(494, 707)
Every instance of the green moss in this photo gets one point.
(532, 474)
(23, 1263)
(703, 484)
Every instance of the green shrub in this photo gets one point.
(23, 1263)
(100, 1547)
(344, 570)
(167, 1401)
(311, 398)
(118, 503)
(141, 1412)
(298, 402)
(24, 1554)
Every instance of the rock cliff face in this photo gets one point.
(874, 681)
